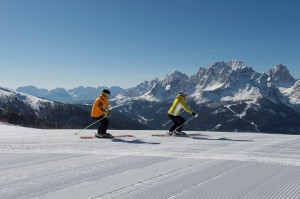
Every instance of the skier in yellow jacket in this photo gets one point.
(100, 112)
(174, 112)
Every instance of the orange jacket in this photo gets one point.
(100, 106)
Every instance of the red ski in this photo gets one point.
(186, 135)
(114, 136)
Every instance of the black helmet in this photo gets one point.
(182, 93)
(106, 92)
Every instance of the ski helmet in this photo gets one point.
(182, 93)
(106, 92)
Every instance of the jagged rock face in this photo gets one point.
(292, 95)
(296, 87)
(280, 74)
(233, 80)
(158, 89)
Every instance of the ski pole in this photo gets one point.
(166, 123)
(183, 124)
(90, 125)
(171, 120)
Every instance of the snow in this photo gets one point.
(34, 102)
(143, 120)
(243, 94)
(57, 164)
(236, 64)
(213, 87)
(148, 97)
(292, 93)
(243, 114)
(168, 87)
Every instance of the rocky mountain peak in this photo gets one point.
(175, 75)
(218, 67)
(280, 75)
(236, 64)
(297, 86)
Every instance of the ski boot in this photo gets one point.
(103, 135)
(170, 133)
(176, 133)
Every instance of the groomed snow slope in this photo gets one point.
(56, 164)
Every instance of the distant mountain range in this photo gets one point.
(228, 96)
(231, 81)
(27, 110)
(73, 96)
(30, 111)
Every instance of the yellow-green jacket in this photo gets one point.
(177, 105)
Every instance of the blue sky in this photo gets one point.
(71, 43)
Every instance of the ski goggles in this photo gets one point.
(105, 94)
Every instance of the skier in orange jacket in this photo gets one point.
(100, 112)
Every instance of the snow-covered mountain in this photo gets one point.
(27, 110)
(157, 89)
(228, 96)
(76, 95)
(280, 76)
(30, 111)
(231, 81)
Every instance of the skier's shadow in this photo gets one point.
(136, 141)
(221, 139)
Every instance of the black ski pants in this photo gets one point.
(103, 124)
(178, 121)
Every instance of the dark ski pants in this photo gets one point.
(178, 121)
(103, 124)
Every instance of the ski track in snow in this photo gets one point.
(38, 163)
(243, 114)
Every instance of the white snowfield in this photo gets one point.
(38, 163)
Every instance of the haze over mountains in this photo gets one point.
(228, 96)
(76, 95)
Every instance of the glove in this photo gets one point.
(195, 114)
